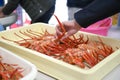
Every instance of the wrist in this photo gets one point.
(2, 15)
(76, 24)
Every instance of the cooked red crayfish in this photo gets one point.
(74, 50)
(9, 72)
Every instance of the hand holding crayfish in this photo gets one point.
(71, 27)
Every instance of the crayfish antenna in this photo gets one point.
(62, 28)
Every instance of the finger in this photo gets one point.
(58, 32)
(69, 33)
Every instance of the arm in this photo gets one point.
(10, 6)
(97, 10)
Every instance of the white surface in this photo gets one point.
(114, 32)
(114, 75)
(30, 70)
(8, 20)
(42, 76)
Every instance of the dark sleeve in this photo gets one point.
(10, 6)
(97, 10)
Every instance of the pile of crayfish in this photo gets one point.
(10, 71)
(79, 51)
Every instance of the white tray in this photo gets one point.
(30, 70)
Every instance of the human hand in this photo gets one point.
(71, 28)
(1, 13)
